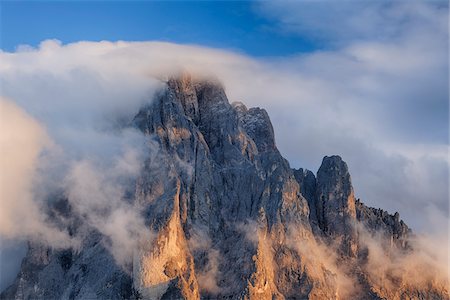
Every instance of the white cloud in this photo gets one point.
(380, 101)
(98, 195)
(321, 103)
(341, 22)
(22, 140)
(381, 97)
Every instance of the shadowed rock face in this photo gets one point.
(335, 203)
(231, 219)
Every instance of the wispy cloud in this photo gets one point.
(23, 140)
(381, 102)
(332, 111)
(98, 197)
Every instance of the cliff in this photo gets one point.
(230, 219)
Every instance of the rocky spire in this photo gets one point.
(335, 202)
(335, 198)
(183, 88)
(256, 123)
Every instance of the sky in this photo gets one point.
(365, 80)
(231, 25)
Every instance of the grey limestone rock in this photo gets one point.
(232, 220)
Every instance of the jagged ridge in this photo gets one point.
(220, 176)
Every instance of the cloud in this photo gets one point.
(389, 268)
(208, 273)
(23, 139)
(377, 94)
(337, 102)
(389, 74)
(22, 216)
(380, 102)
(75, 118)
(339, 23)
(98, 195)
(322, 260)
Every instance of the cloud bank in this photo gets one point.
(36, 170)
(22, 140)
(381, 103)
(362, 114)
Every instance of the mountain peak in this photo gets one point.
(231, 219)
(186, 79)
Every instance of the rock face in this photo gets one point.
(231, 219)
(335, 203)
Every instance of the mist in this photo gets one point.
(60, 137)
(374, 102)
(387, 266)
(208, 275)
(80, 90)
(98, 194)
(23, 140)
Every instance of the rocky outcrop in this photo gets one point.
(237, 173)
(378, 220)
(166, 270)
(308, 188)
(230, 219)
(65, 274)
(261, 284)
(335, 203)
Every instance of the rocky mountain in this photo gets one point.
(230, 219)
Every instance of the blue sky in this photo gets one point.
(235, 25)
